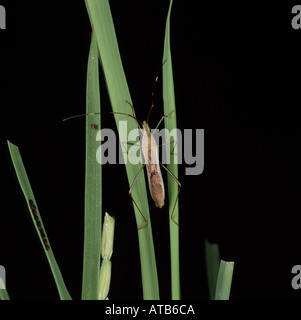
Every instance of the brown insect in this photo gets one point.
(149, 149)
(150, 152)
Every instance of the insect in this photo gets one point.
(149, 149)
(39, 225)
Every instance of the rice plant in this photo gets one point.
(96, 275)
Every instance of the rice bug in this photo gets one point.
(149, 149)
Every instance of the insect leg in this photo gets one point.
(164, 116)
(172, 151)
(131, 107)
(130, 194)
(166, 143)
(179, 184)
(130, 143)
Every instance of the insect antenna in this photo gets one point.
(153, 93)
(80, 115)
(153, 105)
(93, 114)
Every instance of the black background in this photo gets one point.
(236, 72)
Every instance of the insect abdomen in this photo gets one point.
(157, 188)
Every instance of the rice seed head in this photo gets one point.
(104, 279)
(107, 237)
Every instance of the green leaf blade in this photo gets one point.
(212, 266)
(103, 27)
(93, 185)
(28, 194)
(224, 280)
(171, 124)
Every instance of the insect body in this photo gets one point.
(150, 152)
(154, 176)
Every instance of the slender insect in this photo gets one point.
(39, 225)
(149, 149)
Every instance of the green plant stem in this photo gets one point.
(224, 280)
(170, 124)
(102, 24)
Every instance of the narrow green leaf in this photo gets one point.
(28, 194)
(224, 280)
(93, 186)
(173, 187)
(212, 266)
(103, 27)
